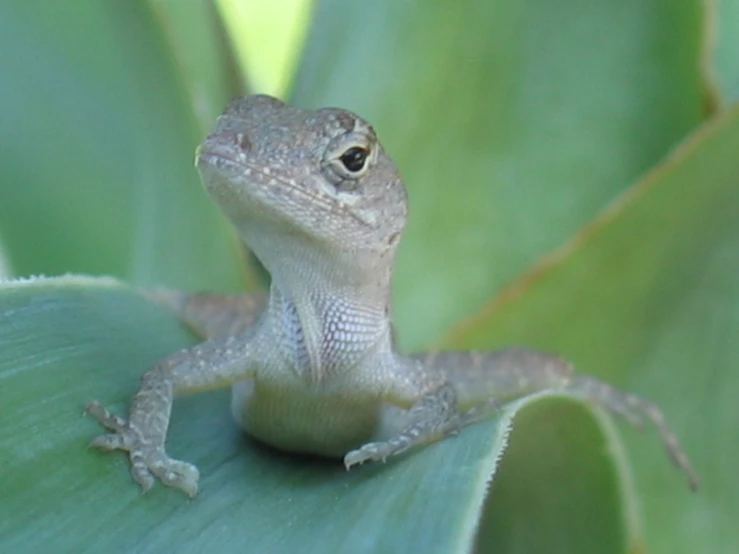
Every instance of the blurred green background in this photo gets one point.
(574, 186)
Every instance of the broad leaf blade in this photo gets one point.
(96, 150)
(199, 47)
(648, 297)
(69, 340)
(267, 38)
(726, 36)
(555, 491)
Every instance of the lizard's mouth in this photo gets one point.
(220, 168)
(234, 182)
(218, 161)
(223, 173)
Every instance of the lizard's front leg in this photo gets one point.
(213, 364)
(517, 372)
(432, 417)
(210, 314)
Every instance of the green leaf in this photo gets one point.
(647, 296)
(202, 60)
(512, 122)
(69, 340)
(96, 147)
(267, 37)
(554, 490)
(5, 270)
(726, 35)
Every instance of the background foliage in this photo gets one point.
(574, 186)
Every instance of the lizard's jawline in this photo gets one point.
(219, 163)
(226, 167)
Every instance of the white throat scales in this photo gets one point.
(329, 335)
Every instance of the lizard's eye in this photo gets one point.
(346, 159)
(354, 159)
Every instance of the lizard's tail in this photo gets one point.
(631, 408)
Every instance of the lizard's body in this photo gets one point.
(323, 207)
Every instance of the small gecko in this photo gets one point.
(315, 370)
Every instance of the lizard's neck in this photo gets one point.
(306, 271)
(305, 283)
(330, 314)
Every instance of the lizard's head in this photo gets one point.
(318, 176)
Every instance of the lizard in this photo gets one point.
(316, 198)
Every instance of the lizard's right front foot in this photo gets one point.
(146, 457)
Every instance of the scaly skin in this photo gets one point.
(319, 202)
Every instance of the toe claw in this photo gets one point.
(180, 475)
(110, 441)
(369, 452)
(143, 478)
(352, 459)
(106, 419)
(96, 410)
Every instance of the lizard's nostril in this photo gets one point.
(243, 142)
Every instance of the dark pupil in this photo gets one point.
(354, 158)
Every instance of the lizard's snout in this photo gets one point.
(220, 148)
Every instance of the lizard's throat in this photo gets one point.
(304, 268)
(327, 335)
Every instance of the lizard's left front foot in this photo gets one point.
(146, 456)
(434, 417)
(372, 451)
(423, 432)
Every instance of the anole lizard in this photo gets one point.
(319, 202)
